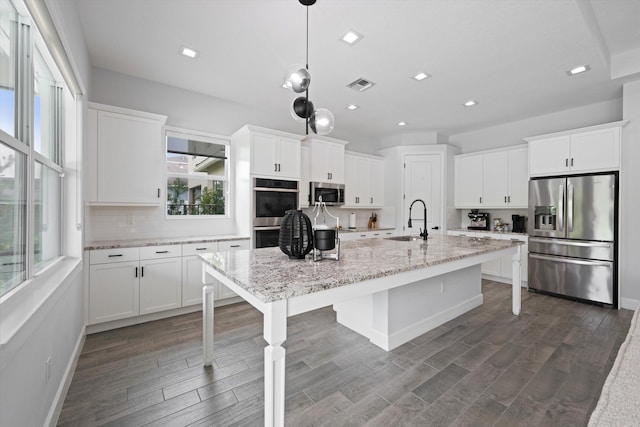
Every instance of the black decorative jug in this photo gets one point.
(296, 234)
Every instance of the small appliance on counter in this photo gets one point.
(479, 220)
(519, 224)
(325, 237)
(352, 221)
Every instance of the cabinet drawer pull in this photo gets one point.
(115, 255)
(201, 249)
(162, 252)
(234, 246)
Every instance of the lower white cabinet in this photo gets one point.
(129, 282)
(500, 269)
(369, 234)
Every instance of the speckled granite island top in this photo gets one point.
(270, 275)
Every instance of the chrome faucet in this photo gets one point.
(424, 233)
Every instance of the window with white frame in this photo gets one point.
(197, 174)
(31, 141)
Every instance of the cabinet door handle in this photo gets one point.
(162, 252)
(115, 255)
(509, 199)
(372, 200)
(566, 162)
(158, 193)
(275, 167)
(234, 246)
(141, 271)
(136, 271)
(480, 200)
(505, 199)
(572, 161)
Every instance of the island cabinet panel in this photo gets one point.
(492, 179)
(364, 181)
(592, 149)
(275, 155)
(125, 152)
(223, 292)
(327, 159)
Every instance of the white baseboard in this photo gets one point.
(507, 280)
(63, 388)
(389, 342)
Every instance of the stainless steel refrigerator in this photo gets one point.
(573, 236)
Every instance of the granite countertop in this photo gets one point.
(133, 243)
(487, 231)
(270, 275)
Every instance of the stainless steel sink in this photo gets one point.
(404, 238)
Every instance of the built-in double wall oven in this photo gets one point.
(271, 199)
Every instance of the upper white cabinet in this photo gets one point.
(592, 149)
(327, 159)
(271, 153)
(492, 179)
(125, 156)
(364, 181)
(275, 155)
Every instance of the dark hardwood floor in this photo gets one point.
(485, 368)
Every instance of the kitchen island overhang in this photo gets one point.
(280, 288)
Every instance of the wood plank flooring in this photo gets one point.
(485, 368)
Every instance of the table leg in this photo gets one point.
(516, 281)
(207, 324)
(275, 333)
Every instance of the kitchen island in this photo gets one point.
(397, 289)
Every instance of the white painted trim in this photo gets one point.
(620, 123)
(629, 303)
(63, 388)
(128, 112)
(389, 342)
(501, 279)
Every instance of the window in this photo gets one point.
(31, 139)
(197, 174)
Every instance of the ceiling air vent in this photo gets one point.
(360, 84)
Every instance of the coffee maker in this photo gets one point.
(519, 223)
(479, 220)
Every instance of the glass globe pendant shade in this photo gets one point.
(322, 121)
(297, 78)
(301, 109)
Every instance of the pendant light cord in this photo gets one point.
(306, 105)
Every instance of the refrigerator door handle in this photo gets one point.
(571, 243)
(570, 208)
(561, 208)
(572, 260)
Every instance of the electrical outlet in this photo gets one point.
(442, 287)
(47, 371)
(130, 219)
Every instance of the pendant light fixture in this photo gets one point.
(298, 79)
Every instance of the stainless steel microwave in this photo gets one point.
(330, 194)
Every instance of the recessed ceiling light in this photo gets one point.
(470, 103)
(402, 123)
(421, 76)
(187, 51)
(351, 37)
(578, 70)
(352, 107)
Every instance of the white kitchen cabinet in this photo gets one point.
(222, 292)
(192, 271)
(275, 156)
(592, 149)
(364, 181)
(492, 179)
(500, 269)
(160, 278)
(114, 285)
(125, 153)
(468, 181)
(327, 159)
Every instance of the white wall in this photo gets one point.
(513, 133)
(629, 200)
(45, 317)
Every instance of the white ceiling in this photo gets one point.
(509, 55)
